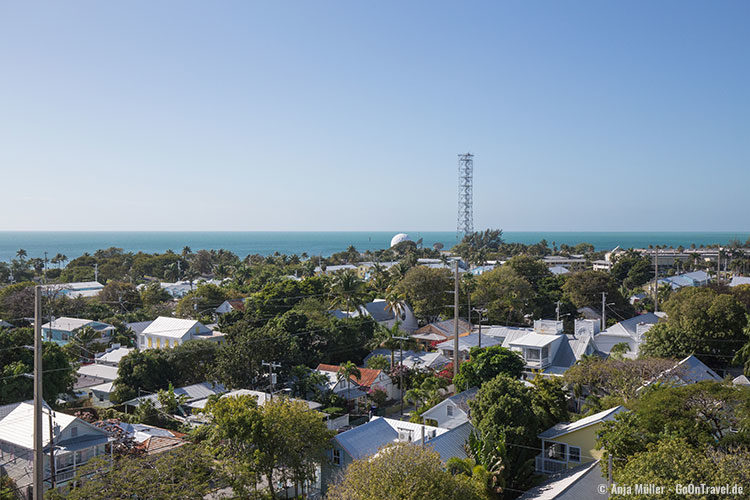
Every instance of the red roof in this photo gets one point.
(369, 376)
(237, 304)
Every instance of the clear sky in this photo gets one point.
(316, 115)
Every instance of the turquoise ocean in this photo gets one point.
(76, 243)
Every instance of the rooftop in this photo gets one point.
(566, 428)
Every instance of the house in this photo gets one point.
(465, 344)
(574, 262)
(73, 443)
(113, 355)
(189, 394)
(170, 332)
(370, 379)
(545, 347)
(95, 381)
(367, 439)
(231, 305)
(413, 359)
(440, 331)
(559, 270)
(74, 290)
(630, 331)
(584, 482)
(441, 264)
(739, 280)
(696, 278)
(452, 412)
(741, 380)
(137, 327)
(568, 445)
(179, 289)
(60, 330)
(380, 311)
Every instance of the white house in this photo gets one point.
(170, 332)
(113, 355)
(73, 441)
(231, 305)
(74, 289)
(452, 412)
(630, 331)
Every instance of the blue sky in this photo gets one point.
(240, 115)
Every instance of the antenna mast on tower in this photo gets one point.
(465, 219)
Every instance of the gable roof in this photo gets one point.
(578, 483)
(566, 428)
(191, 392)
(462, 398)
(691, 370)
(99, 371)
(446, 327)
(739, 280)
(629, 326)
(367, 379)
(138, 326)
(17, 426)
(741, 380)
(366, 439)
(452, 443)
(466, 342)
(114, 355)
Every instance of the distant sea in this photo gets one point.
(75, 243)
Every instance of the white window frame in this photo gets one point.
(449, 410)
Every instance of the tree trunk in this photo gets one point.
(269, 478)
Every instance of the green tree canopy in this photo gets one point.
(402, 471)
(485, 364)
(425, 290)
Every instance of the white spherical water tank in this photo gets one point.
(399, 238)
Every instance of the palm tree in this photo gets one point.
(21, 254)
(347, 371)
(386, 337)
(347, 290)
(395, 303)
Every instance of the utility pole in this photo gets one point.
(38, 481)
(480, 310)
(401, 371)
(51, 451)
(557, 310)
(604, 311)
(271, 374)
(96, 271)
(455, 319)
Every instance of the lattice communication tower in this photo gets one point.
(465, 219)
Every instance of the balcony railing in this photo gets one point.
(536, 363)
(549, 466)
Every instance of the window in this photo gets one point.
(574, 454)
(336, 457)
(555, 451)
(449, 410)
(74, 431)
(64, 336)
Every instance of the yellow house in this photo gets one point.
(571, 444)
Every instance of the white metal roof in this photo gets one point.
(535, 340)
(115, 355)
(66, 324)
(104, 372)
(566, 428)
(18, 426)
(164, 326)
